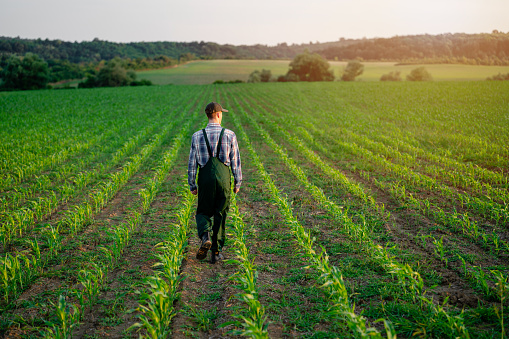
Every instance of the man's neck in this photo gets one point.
(214, 121)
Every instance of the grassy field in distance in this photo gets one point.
(208, 71)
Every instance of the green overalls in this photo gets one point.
(214, 189)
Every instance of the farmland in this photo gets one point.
(366, 208)
(207, 71)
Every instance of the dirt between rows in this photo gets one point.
(404, 226)
(35, 303)
(405, 222)
(59, 278)
(294, 303)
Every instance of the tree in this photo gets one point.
(255, 76)
(419, 74)
(113, 74)
(310, 67)
(353, 69)
(28, 72)
(392, 76)
(265, 75)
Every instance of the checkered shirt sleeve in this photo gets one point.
(229, 155)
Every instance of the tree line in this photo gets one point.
(31, 72)
(486, 49)
(474, 49)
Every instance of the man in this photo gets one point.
(215, 150)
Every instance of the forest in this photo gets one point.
(484, 48)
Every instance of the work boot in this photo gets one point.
(215, 257)
(205, 246)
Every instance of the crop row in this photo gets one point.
(157, 315)
(486, 207)
(331, 279)
(254, 323)
(20, 269)
(41, 184)
(333, 112)
(458, 221)
(407, 277)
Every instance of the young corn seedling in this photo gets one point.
(51, 239)
(502, 289)
(439, 249)
(254, 323)
(92, 281)
(68, 317)
(120, 239)
(157, 309)
(156, 316)
(481, 281)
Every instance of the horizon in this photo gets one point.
(269, 45)
(228, 22)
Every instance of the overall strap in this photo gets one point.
(207, 141)
(219, 143)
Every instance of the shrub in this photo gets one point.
(265, 75)
(142, 82)
(221, 82)
(353, 69)
(499, 77)
(419, 74)
(392, 76)
(255, 76)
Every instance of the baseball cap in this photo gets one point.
(214, 107)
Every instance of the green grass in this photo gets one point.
(206, 72)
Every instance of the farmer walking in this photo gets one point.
(215, 150)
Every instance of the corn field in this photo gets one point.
(367, 210)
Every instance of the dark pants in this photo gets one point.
(213, 201)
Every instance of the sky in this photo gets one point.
(242, 22)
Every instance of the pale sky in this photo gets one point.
(240, 22)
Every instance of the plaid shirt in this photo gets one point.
(229, 155)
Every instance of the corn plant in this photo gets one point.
(157, 309)
(92, 280)
(330, 278)
(502, 289)
(68, 317)
(52, 239)
(439, 249)
(121, 235)
(16, 272)
(254, 324)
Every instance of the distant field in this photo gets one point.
(206, 72)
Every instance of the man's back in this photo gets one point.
(229, 154)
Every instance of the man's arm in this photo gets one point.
(191, 169)
(235, 164)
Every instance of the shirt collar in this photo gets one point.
(213, 124)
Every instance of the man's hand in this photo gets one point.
(236, 190)
(194, 192)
